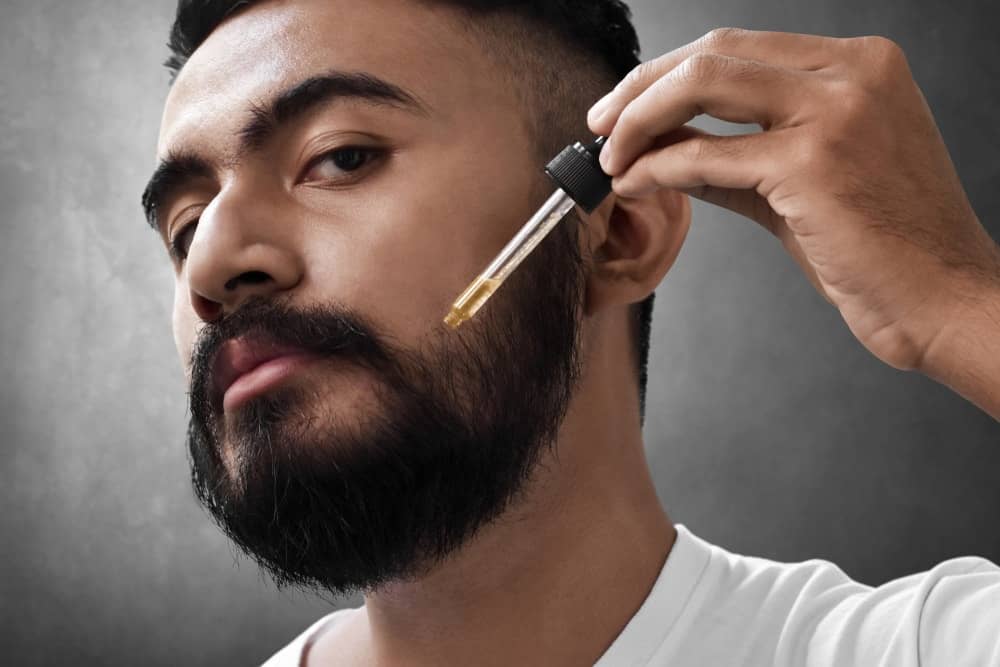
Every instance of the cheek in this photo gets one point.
(411, 251)
(399, 260)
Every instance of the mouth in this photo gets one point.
(246, 368)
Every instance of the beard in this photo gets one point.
(459, 425)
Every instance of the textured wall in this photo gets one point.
(771, 431)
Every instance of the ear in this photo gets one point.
(633, 243)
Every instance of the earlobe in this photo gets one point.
(635, 243)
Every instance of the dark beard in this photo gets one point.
(458, 432)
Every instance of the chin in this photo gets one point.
(302, 417)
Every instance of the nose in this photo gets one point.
(242, 248)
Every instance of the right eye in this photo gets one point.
(180, 244)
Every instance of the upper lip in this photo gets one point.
(239, 356)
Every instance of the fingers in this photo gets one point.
(724, 183)
(727, 88)
(788, 50)
(690, 158)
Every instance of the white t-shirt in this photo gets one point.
(712, 607)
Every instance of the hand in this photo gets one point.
(849, 172)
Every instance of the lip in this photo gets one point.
(246, 368)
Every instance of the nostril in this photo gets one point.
(207, 310)
(248, 278)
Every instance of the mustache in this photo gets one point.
(322, 330)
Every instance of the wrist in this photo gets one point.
(964, 353)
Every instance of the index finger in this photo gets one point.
(791, 50)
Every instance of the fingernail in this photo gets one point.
(599, 109)
(605, 157)
(619, 186)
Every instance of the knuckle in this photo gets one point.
(723, 36)
(881, 44)
(848, 102)
(742, 70)
(853, 103)
(630, 122)
(697, 149)
(885, 53)
(729, 148)
(700, 67)
(641, 74)
(880, 57)
(808, 156)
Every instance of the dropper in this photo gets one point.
(580, 181)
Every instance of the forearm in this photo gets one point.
(965, 356)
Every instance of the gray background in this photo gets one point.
(771, 431)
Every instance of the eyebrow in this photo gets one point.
(179, 168)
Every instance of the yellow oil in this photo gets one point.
(471, 301)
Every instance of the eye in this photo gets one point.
(342, 165)
(180, 244)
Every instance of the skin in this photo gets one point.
(849, 172)
(898, 251)
(572, 563)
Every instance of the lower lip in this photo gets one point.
(261, 379)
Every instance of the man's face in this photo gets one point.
(340, 433)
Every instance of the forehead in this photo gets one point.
(274, 44)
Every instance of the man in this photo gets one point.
(334, 173)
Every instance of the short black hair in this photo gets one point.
(597, 34)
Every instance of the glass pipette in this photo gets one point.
(581, 182)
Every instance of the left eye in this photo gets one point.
(334, 165)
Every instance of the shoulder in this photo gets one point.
(812, 613)
(292, 655)
(957, 609)
(948, 615)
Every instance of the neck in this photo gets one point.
(554, 581)
(557, 578)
